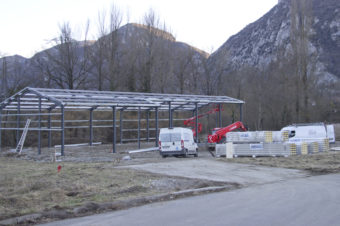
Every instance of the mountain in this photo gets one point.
(261, 43)
(285, 65)
(134, 57)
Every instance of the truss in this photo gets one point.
(29, 99)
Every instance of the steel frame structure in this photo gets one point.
(54, 102)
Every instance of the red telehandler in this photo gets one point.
(221, 133)
(191, 121)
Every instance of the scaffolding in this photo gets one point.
(48, 103)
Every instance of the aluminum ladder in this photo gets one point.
(23, 137)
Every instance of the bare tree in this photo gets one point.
(112, 46)
(151, 21)
(301, 20)
(185, 58)
(165, 59)
(156, 41)
(98, 51)
(14, 76)
(67, 64)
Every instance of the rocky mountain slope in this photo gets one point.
(260, 43)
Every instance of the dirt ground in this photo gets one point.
(89, 178)
(93, 179)
(211, 169)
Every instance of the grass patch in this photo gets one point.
(29, 187)
(319, 163)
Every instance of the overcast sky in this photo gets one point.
(27, 25)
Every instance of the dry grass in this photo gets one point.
(28, 187)
(327, 162)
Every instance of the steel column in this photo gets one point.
(147, 126)
(39, 125)
(121, 126)
(91, 126)
(0, 128)
(241, 112)
(49, 127)
(18, 120)
(170, 115)
(220, 115)
(113, 129)
(196, 121)
(216, 119)
(156, 126)
(62, 129)
(138, 128)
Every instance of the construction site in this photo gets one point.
(69, 153)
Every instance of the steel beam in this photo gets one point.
(26, 115)
(138, 134)
(170, 115)
(181, 105)
(156, 122)
(216, 119)
(147, 125)
(0, 128)
(49, 127)
(62, 121)
(220, 115)
(196, 121)
(54, 100)
(241, 112)
(114, 129)
(121, 126)
(81, 99)
(91, 126)
(39, 125)
(9, 100)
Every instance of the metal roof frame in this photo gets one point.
(104, 100)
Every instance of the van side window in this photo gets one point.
(292, 133)
(165, 137)
(175, 136)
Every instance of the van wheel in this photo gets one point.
(196, 155)
(163, 156)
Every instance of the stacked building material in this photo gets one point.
(268, 143)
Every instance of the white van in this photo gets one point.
(301, 132)
(177, 141)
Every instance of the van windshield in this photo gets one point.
(170, 137)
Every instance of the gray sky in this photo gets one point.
(27, 25)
